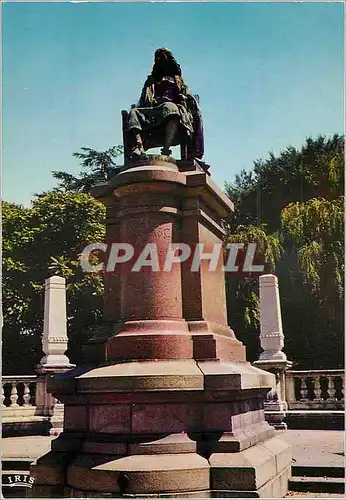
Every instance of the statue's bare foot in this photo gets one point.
(137, 151)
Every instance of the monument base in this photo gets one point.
(274, 488)
(181, 428)
(168, 405)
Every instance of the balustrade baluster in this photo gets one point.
(290, 389)
(303, 389)
(17, 392)
(317, 389)
(26, 395)
(14, 394)
(331, 389)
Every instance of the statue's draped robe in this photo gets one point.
(162, 99)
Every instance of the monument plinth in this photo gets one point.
(154, 310)
(166, 404)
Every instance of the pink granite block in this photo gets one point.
(110, 418)
(217, 417)
(170, 418)
(164, 346)
(75, 418)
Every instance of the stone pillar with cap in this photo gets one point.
(54, 346)
(272, 358)
(55, 339)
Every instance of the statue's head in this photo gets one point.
(165, 64)
(163, 55)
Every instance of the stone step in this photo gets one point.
(15, 464)
(317, 484)
(315, 419)
(318, 471)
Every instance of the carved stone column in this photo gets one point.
(55, 339)
(54, 345)
(272, 358)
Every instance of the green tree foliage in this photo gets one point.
(98, 166)
(39, 242)
(242, 291)
(297, 197)
(315, 231)
(316, 227)
(44, 240)
(317, 170)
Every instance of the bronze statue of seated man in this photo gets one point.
(167, 113)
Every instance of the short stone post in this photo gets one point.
(289, 389)
(272, 358)
(54, 345)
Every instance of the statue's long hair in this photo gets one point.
(171, 68)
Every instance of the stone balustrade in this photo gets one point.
(26, 402)
(304, 390)
(19, 404)
(315, 390)
(18, 391)
(25, 409)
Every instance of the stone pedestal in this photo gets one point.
(272, 358)
(54, 345)
(55, 339)
(167, 405)
(275, 404)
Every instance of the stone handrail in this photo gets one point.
(304, 390)
(25, 399)
(18, 390)
(27, 407)
(315, 389)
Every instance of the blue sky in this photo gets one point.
(268, 75)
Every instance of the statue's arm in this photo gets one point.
(186, 95)
(143, 100)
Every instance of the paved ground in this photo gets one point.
(316, 447)
(25, 447)
(309, 447)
